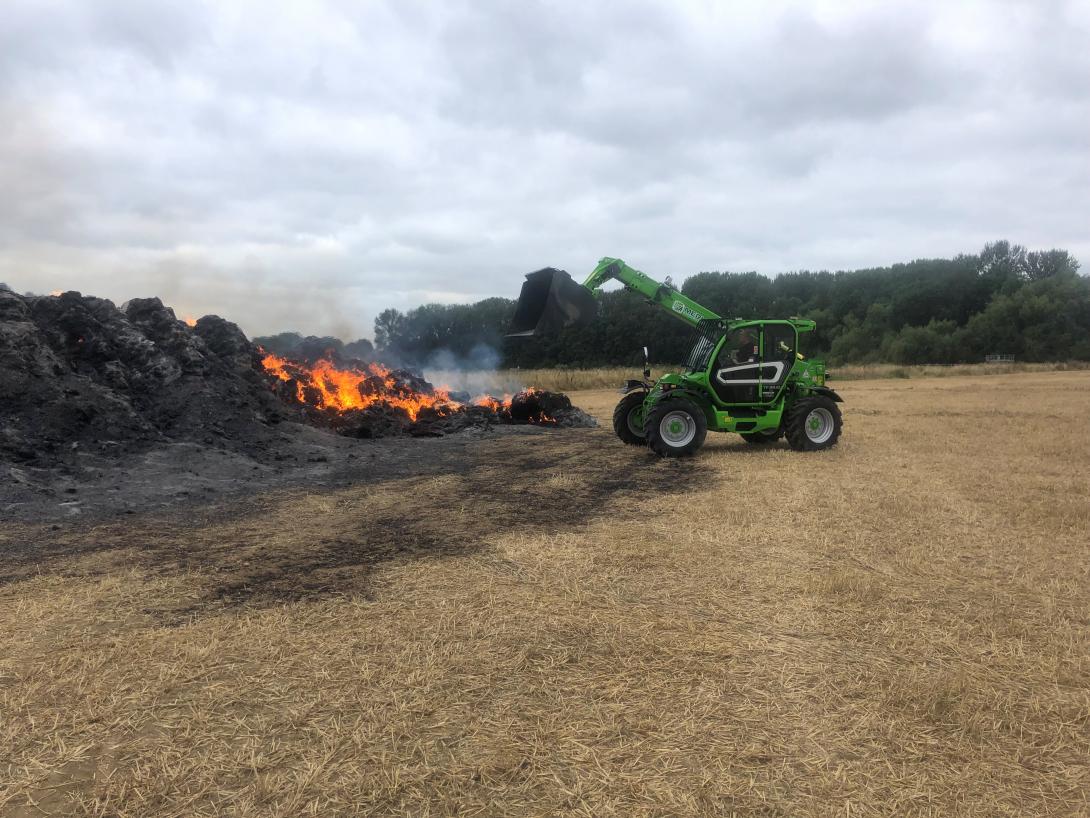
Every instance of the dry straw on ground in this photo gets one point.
(895, 627)
(569, 380)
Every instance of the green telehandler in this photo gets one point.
(743, 376)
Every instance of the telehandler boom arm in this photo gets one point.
(662, 295)
(551, 300)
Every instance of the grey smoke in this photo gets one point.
(476, 372)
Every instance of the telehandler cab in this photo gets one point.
(744, 376)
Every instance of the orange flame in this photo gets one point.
(495, 404)
(189, 320)
(324, 386)
(55, 293)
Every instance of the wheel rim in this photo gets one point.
(819, 425)
(635, 421)
(677, 428)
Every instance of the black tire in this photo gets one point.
(762, 438)
(625, 419)
(813, 424)
(687, 422)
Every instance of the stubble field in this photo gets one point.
(556, 624)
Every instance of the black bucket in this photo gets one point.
(550, 301)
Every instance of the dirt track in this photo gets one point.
(552, 623)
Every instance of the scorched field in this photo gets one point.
(547, 622)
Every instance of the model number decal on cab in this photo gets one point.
(686, 311)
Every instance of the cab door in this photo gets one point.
(779, 342)
(753, 363)
(735, 373)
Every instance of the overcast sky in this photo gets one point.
(303, 167)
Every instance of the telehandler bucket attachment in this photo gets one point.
(550, 300)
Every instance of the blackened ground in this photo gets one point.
(365, 505)
(181, 475)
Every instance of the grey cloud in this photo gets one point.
(305, 166)
(46, 35)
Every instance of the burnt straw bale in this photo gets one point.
(79, 373)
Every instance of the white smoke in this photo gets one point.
(476, 372)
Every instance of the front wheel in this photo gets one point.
(813, 424)
(675, 428)
(628, 419)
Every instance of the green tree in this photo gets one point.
(389, 326)
(1032, 304)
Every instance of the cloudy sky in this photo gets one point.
(302, 166)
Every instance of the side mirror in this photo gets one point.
(646, 363)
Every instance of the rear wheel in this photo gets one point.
(813, 424)
(628, 419)
(675, 428)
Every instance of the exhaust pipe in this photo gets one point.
(550, 300)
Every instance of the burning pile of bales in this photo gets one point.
(368, 399)
(80, 375)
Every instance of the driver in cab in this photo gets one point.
(747, 348)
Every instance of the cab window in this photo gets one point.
(779, 343)
(742, 346)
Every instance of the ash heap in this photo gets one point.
(78, 373)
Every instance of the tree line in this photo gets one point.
(1003, 300)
